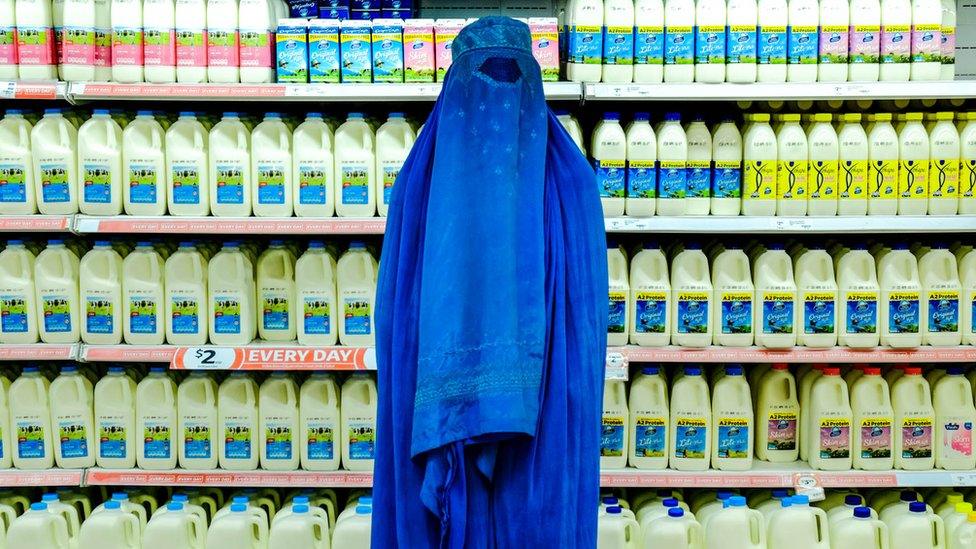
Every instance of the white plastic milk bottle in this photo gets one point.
(940, 304)
(734, 296)
(320, 421)
(18, 300)
(743, 18)
(691, 421)
(585, 50)
(279, 428)
(115, 420)
(791, 173)
(617, 529)
(315, 296)
(759, 155)
(822, 178)
(967, 176)
(39, 528)
(803, 52)
(71, 414)
(777, 415)
(355, 168)
(144, 166)
(672, 152)
(111, 528)
(816, 292)
(223, 41)
(698, 168)
(356, 290)
(35, 40)
(159, 28)
(30, 420)
(649, 41)
(191, 41)
(649, 421)
(733, 422)
(8, 54)
(710, 41)
(830, 422)
(834, 34)
(609, 151)
(901, 322)
(798, 524)
(917, 529)
(394, 139)
(176, 528)
(679, 41)
(187, 168)
(771, 32)
(197, 423)
(871, 436)
(143, 296)
(258, 23)
(865, 41)
(100, 165)
(18, 194)
(641, 167)
(775, 311)
(614, 438)
(911, 399)
(967, 279)
(238, 528)
(618, 323)
(859, 291)
(237, 434)
(186, 305)
(56, 287)
(618, 41)
(230, 167)
(727, 169)
(128, 41)
(913, 169)
(882, 166)
(156, 421)
(926, 40)
(853, 160)
(359, 422)
(954, 419)
(313, 168)
(691, 297)
(735, 527)
(944, 153)
(54, 144)
(231, 291)
(100, 287)
(650, 287)
(271, 167)
(276, 293)
(896, 40)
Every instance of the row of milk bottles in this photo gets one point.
(197, 166)
(307, 519)
(155, 41)
(682, 41)
(158, 423)
(779, 297)
(800, 165)
(189, 295)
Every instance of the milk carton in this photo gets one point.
(323, 51)
(777, 413)
(677, 529)
(303, 529)
(394, 139)
(672, 147)
(175, 528)
(726, 169)
(54, 142)
(609, 151)
(775, 310)
(30, 419)
(822, 178)
(914, 417)
(159, 33)
(759, 157)
(278, 405)
(545, 46)
(230, 167)
(56, 290)
(185, 303)
(917, 529)
(614, 438)
(197, 424)
(100, 165)
(356, 53)
(733, 422)
(445, 30)
(237, 423)
(313, 168)
(865, 41)
(115, 420)
(691, 296)
(191, 41)
(883, 166)
(616, 529)
(944, 152)
(18, 300)
(733, 299)
(258, 21)
(418, 50)
(276, 293)
(231, 295)
(358, 422)
(18, 194)
(834, 35)
(238, 528)
(71, 414)
(791, 172)
(100, 287)
(896, 39)
(127, 41)
(857, 281)
(315, 293)
(803, 51)
(584, 30)
(871, 437)
(940, 304)
(679, 41)
(817, 289)
(387, 48)
(948, 46)
(156, 421)
(650, 287)
(271, 166)
(830, 421)
(187, 167)
(223, 41)
(691, 420)
(967, 176)
(901, 322)
(649, 421)
(641, 167)
(355, 168)
(320, 421)
(954, 418)
(798, 524)
(291, 50)
(144, 166)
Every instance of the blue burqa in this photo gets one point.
(491, 318)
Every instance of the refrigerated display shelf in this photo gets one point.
(787, 91)
(35, 223)
(85, 224)
(44, 90)
(875, 224)
(22, 478)
(256, 479)
(634, 353)
(38, 351)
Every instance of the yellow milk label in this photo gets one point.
(822, 180)
(967, 177)
(854, 179)
(883, 179)
(759, 179)
(913, 178)
(944, 178)
(791, 179)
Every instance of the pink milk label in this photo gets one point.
(418, 51)
(948, 45)
(256, 48)
(127, 46)
(916, 438)
(957, 439)
(875, 438)
(896, 44)
(444, 34)
(835, 438)
(927, 43)
(833, 43)
(103, 48)
(223, 48)
(191, 48)
(160, 48)
(865, 43)
(35, 45)
(78, 45)
(8, 46)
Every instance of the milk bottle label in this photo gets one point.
(13, 314)
(255, 49)
(159, 48)
(356, 308)
(320, 435)
(54, 182)
(355, 183)
(822, 180)
(237, 438)
(651, 312)
(612, 436)
(948, 46)
(585, 45)
(324, 50)
(103, 48)
(759, 179)
(967, 178)
(312, 177)
(710, 45)
(316, 315)
(191, 48)
(127, 46)
(818, 313)
(944, 178)
(875, 438)
(943, 311)
(699, 179)
(903, 313)
(742, 44)
(618, 46)
(8, 46)
(672, 179)
(791, 180)
(692, 312)
(57, 313)
(926, 44)
(274, 310)
(142, 182)
(157, 437)
(781, 431)
(362, 438)
(97, 181)
(186, 182)
(230, 182)
(610, 177)
(854, 175)
(227, 313)
(736, 313)
(690, 438)
(13, 188)
(73, 437)
(833, 44)
(862, 312)
(185, 314)
(679, 45)
(111, 435)
(78, 45)
(883, 179)
(896, 44)
(196, 438)
(957, 439)
(30, 437)
(835, 438)
(618, 313)
(641, 179)
(98, 315)
(777, 313)
(727, 179)
(391, 170)
(271, 182)
(772, 45)
(733, 437)
(865, 44)
(35, 45)
(916, 438)
(649, 46)
(223, 47)
(651, 436)
(803, 45)
(278, 437)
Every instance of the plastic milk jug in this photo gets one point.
(127, 56)
(964, 535)
(691, 296)
(258, 23)
(649, 41)
(759, 157)
(100, 287)
(944, 153)
(186, 305)
(822, 177)
(678, 529)
(111, 528)
(871, 440)
(791, 173)
(901, 322)
(859, 293)
(710, 41)
(271, 168)
(617, 530)
(35, 40)
(6, 437)
(191, 41)
(609, 150)
(672, 152)
(300, 528)
(144, 166)
(313, 168)
(618, 325)
(156, 421)
(56, 290)
(103, 40)
(100, 165)
(883, 166)
(834, 34)
(895, 510)
(223, 41)
(967, 176)
(356, 291)
(940, 302)
(238, 529)
(967, 276)
(17, 182)
(865, 41)
(727, 169)
(230, 167)
(954, 419)
(320, 422)
(8, 54)
(71, 413)
(913, 169)
(805, 426)
(816, 292)
(926, 40)
(359, 423)
(777, 412)
(896, 40)
(733, 422)
(39, 528)
(691, 418)
(54, 142)
(858, 531)
(679, 41)
(734, 294)
(572, 126)
(614, 437)
(394, 139)
(830, 421)
(853, 172)
(618, 41)
(278, 407)
(775, 314)
(176, 528)
(30, 419)
(276, 293)
(803, 51)
(698, 168)
(143, 296)
(115, 420)
(237, 434)
(914, 417)
(355, 168)
(197, 426)
(187, 168)
(649, 421)
(771, 32)
(743, 18)
(18, 301)
(917, 529)
(315, 296)
(159, 31)
(948, 49)
(585, 49)
(231, 288)
(641, 167)
(735, 527)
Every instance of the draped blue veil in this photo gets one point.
(491, 318)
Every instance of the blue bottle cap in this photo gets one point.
(100, 112)
(800, 499)
(611, 116)
(55, 242)
(780, 493)
(670, 502)
(862, 512)
(917, 507)
(69, 369)
(113, 505)
(174, 506)
(355, 116)
(366, 509)
(853, 500)
(116, 370)
(733, 370)
(316, 245)
(299, 509)
(676, 512)
(50, 497)
(651, 370)
(610, 500)
(182, 498)
(53, 111)
(641, 116)
(144, 113)
(39, 506)
(672, 117)
(314, 115)
(610, 510)
(300, 500)
(31, 369)
(188, 113)
(737, 501)
(238, 507)
(693, 371)
(120, 496)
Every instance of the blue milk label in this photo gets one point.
(356, 311)
(237, 438)
(727, 179)
(649, 45)
(278, 439)
(777, 313)
(56, 309)
(679, 45)
(585, 45)
(143, 314)
(13, 314)
(323, 51)
(803, 45)
(13, 183)
(291, 51)
(230, 182)
(30, 437)
(710, 45)
(354, 183)
(742, 44)
(650, 311)
(143, 184)
(362, 439)
(862, 312)
(274, 310)
(943, 311)
(692, 312)
(618, 46)
(641, 179)
(818, 312)
(157, 438)
(610, 177)
(672, 179)
(197, 438)
(96, 182)
(903, 313)
(650, 436)
(227, 313)
(316, 315)
(736, 313)
(112, 438)
(271, 182)
(612, 436)
(98, 315)
(313, 176)
(184, 314)
(699, 179)
(54, 182)
(391, 171)
(772, 43)
(387, 52)
(691, 436)
(321, 438)
(616, 323)
(356, 54)
(733, 438)
(186, 181)
(73, 438)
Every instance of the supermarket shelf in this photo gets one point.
(16, 478)
(33, 90)
(791, 91)
(256, 479)
(796, 355)
(88, 91)
(790, 225)
(38, 351)
(228, 225)
(34, 223)
(258, 356)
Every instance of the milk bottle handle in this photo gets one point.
(169, 390)
(249, 393)
(283, 142)
(822, 525)
(694, 534)
(292, 399)
(63, 134)
(939, 530)
(198, 530)
(259, 527)
(242, 140)
(199, 273)
(24, 134)
(882, 534)
(199, 141)
(132, 530)
(757, 531)
(209, 394)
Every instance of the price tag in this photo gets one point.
(617, 366)
(808, 484)
(271, 358)
(206, 358)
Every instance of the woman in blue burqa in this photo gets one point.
(491, 318)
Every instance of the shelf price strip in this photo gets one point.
(273, 358)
